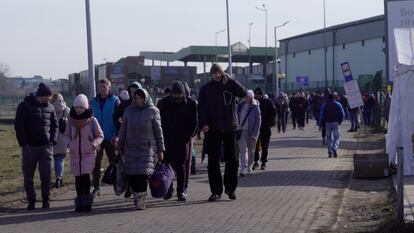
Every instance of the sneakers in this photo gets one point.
(181, 197)
(214, 197)
(232, 195)
(263, 167)
(243, 172)
(58, 183)
(335, 154)
(249, 170)
(96, 193)
(255, 166)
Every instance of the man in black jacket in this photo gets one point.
(268, 113)
(37, 131)
(217, 114)
(179, 122)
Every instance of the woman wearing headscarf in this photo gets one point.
(141, 143)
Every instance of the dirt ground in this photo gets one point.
(365, 205)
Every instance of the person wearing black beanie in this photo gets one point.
(37, 130)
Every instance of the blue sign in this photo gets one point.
(346, 70)
(302, 81)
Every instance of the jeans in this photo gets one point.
(354, 120)
(59, 164)
(332, 136)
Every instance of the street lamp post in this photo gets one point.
(215, 47)
(324, 44)
(276, 60)
(250, 58)
(264, 9)
(91, 70)
(228, 39)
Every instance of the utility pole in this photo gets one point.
(91, 69)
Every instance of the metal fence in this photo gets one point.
(8, 106)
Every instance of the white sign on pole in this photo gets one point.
(353, 94)
(400, 14)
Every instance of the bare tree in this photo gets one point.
(4, 69)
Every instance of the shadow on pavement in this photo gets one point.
(347, 145)
(20, 215)
(318, 178)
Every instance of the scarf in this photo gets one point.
(79, 121)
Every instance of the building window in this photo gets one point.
(363, 43)
(343, 46)
(294, 55)
(309, 52)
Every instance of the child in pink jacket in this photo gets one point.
(84, 135)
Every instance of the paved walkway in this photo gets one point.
(292, 195)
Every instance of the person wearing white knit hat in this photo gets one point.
(81, 101)
(124, 95)
(84, 136)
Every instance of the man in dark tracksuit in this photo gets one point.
(293, 110)
(179, 122)
(301, 107)
(268, 113)
(37, 132)
(217, 114)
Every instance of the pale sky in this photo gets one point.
(48, 37)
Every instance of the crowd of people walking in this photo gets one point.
(235, 122)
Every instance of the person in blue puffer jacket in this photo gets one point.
(104, 106)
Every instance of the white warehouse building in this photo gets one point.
(361, 43)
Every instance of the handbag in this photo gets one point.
(121, 180)
(109, 175)
(239, 131)
(161, 179)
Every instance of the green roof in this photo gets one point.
(240, 53)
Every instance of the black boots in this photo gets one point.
(31, 205)
(83, 203)
(45, 202)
